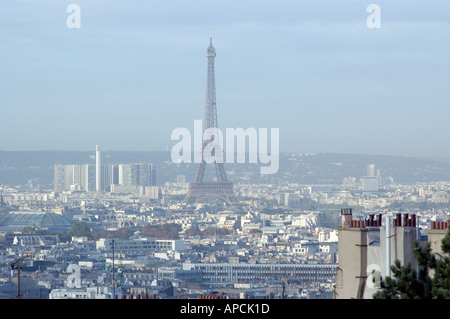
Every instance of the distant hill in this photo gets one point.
(36, 167)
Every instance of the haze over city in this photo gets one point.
(334, 183)
(135, 71)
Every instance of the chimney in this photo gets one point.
(370, 221)
(346, 217)
(405, 220)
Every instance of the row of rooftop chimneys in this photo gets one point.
(400, 220)
(406, 221)
(440, 225)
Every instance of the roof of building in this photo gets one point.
(17, 220)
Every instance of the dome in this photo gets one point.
(18, 220)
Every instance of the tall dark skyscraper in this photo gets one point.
(199, 188)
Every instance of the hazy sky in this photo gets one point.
(136, 70)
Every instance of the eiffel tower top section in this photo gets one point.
(211, 52)
(210, 105)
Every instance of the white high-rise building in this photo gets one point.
(371, 182)
(98, 170)
(371, 170)
(100, 177)
(75, 177)
(59, 177)
(135, 174)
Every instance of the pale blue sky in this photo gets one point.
(136, 70)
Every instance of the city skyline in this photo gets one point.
(135, 71)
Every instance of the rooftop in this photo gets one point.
(17, 220)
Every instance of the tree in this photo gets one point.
(123, 233)
(441, 279)
(328, 219)
(193, 231)
(81, 229)
(407, 283)
(34, 230)
(212, 231)
(29, 230)
(164, 231)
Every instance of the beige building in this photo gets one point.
(230, 222)
(366, 249)
(436, 233)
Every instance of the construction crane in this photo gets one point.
(16, 264)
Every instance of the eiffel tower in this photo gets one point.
(222, 188)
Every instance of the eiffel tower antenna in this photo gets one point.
(199, 188)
